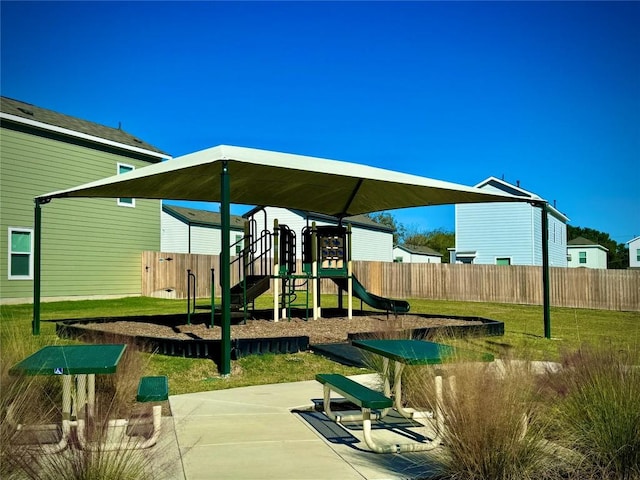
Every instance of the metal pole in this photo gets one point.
(213, 296)
(225, 260)
(276, 272)
(37, 267)
(188, 297)
(545, 271)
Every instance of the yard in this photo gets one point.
(590, 409)
(523, 337)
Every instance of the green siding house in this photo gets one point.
(91, 248)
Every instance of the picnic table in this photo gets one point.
(403, 353)
(77, 365)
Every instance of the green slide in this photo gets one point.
(387, 304)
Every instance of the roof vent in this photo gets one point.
(25, 111)
(137, 141)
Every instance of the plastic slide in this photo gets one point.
(380, 303)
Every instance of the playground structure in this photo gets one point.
(268, 259)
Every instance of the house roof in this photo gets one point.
(519, 192)
(359, 220)
(203, 218)
(584, 242)
(41, 118)
(632, 240)
(261, 177)
(419, 250)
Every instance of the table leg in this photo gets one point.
(67, 380)
(385, 376)
(81, 395)
(91, 394)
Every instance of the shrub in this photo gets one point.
(493, 429)
(597, 396)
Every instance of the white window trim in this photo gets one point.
(9, 252)
(133, 200)
(583, 255)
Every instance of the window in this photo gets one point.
(503, 261)
(582, 257)
(638, 254)
(20, 254)
(398, 260)
(125, 202)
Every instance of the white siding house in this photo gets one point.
(415, 254)
(187, 230)
(634, 252)
(370, 240)
(507, 233)
(585, 253)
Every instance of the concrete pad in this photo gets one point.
(280, 460)
(253, 433)
(240, 428)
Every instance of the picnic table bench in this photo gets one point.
(404, 353)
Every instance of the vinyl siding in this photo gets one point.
(508, 230)
(367, 244)
(557, 243)
(596, 257)
(204, 239)
(414, 257)
(634, 247)
(90, 247)
(175, 234)
(495, 230)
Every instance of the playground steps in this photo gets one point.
(256, 286)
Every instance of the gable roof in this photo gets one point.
(518, 191)
(40, 118)
(358, 220)
(584, 242)
(203, 218)
(419, 250)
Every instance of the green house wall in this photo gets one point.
(91, 248)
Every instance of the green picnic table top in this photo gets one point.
(418, 352)
(71, 360)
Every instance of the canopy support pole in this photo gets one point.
(225, 270)
(546, 302)
(37, 265)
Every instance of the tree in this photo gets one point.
(385, 218)
(439, 240)
(618, 254)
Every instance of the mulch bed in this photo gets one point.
(323, 330)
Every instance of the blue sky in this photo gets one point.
(547, 93)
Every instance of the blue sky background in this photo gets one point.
(547, 93)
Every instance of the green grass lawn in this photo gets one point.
(523, 337)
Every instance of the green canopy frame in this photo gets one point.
(239, 175)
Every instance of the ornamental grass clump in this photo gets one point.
(493, 429)
(597, 399)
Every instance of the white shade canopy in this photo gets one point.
(261, 177)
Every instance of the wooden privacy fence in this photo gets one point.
(569, 287)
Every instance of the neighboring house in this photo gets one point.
(370, 240)
(634, 252)
(187, 230)
(91, 248)
(585, 253)
(508, 233)
(415, 254)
